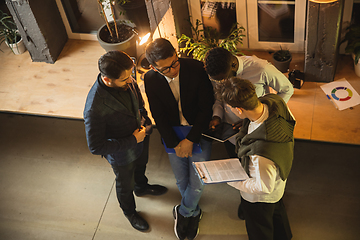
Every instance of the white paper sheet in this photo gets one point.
(341, 94)
(218, 171)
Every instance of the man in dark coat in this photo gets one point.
(115, 120)
(180, 94)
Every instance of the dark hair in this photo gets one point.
(113, 63)
(218, 61)
(159, 49)
(237, 92)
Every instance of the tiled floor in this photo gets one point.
(60, 90)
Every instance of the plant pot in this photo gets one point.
(17, 48)
(356, 66)
(282, 66)
(128, 45)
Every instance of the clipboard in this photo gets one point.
(181, 133)
(222, 132)
(220, 171)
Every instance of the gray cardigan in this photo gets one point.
(274, 138)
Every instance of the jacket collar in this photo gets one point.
(110, 101)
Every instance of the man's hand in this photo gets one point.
(238, 125)
(140, 134)
(149, 129)
(214, 122)
(184, 148)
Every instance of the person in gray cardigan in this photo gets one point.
(265, 146)
(117, 128)
(221, 64)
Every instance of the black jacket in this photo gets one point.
(196, 95)
(109, 125)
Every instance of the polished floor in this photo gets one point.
(53, 188)
(60, 90)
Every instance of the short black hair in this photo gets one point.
(159, 49)
(113, 63)
(218, 61)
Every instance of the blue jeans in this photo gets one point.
(187, 180)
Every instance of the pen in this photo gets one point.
(332, 101)
(201, 173)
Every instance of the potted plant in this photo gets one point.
(352, 37)
(10, 34)
(116, 34)
(207, 38)
(282, 59)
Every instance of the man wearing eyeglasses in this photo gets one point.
(180, 94)
(117, 128)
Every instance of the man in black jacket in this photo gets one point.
(180, 94)
(114, 122)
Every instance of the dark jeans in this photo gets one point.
(131, 177)
(266, 221)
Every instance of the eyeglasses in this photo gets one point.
(167, 69)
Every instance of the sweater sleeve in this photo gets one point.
(263, 173)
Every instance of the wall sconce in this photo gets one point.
(141, 43)
(144, 39)
(142, 64)
(323, 1)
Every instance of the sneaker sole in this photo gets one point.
(175, 220)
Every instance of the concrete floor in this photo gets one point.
(53, 188)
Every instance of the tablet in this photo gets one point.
(223, 132)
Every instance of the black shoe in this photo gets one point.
(241, 213)
(181, 223)
(138, 222)
(193, 228)
(151, 190)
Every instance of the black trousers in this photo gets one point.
(230, 149)
(266, 221)
(131, 177)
